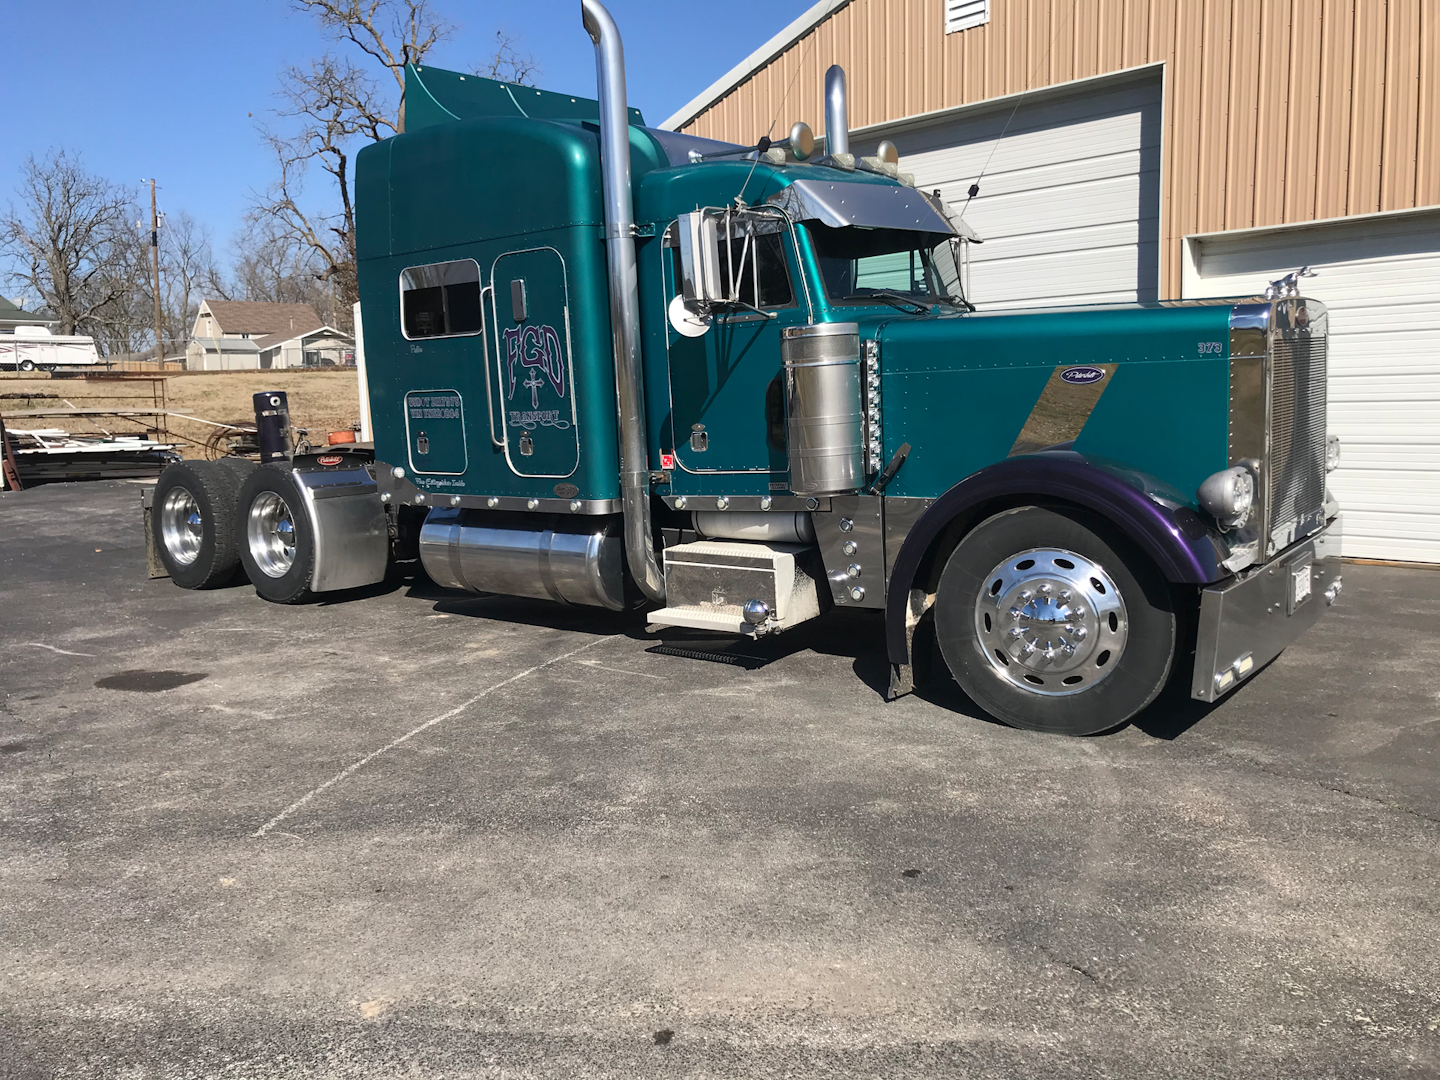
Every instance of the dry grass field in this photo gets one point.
(322, 401)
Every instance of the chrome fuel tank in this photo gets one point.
(572, 560)
(824, 422)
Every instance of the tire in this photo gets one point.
(239, 467)
(275, 538)
(27, 365)
(1052, 621)
(192, 522)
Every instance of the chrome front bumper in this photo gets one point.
(1249, 620)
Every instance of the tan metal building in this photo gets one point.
(1141, 149)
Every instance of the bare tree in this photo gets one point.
(332, 105)
(275, 268)
(73, 241)
(508, 64)
(391, 32)
(187, 269)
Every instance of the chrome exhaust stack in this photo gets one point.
(837, 123)
(624, 296)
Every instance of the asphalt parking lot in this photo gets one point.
(420, 835)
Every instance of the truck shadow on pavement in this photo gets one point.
(856, 635)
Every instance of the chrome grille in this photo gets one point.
(1295, 487)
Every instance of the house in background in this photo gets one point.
(236, 335)
(1134, 150)
(13, 315)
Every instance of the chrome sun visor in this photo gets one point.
(873, 206)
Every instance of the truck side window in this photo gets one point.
(764, 280)
(440, 299)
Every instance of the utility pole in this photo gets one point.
(155, 272)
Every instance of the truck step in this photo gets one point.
(709, 584)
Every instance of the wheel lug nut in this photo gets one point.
(1077, 632)
(1026, 595)
(1015, 613)
(1044, 589)
(1066, 594)
(1016, 632)
(1079, 612)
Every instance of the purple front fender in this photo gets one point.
(1186, 550)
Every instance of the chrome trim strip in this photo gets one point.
(1061, 410)
(748, 502)
(485, 353)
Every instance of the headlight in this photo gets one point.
(1332, 453)
(1227, 496)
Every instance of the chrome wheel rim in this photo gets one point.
(270, 533)
(181, 526)
(1051, 622)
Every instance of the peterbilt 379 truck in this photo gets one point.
(741, 387)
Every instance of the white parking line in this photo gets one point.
(52, 648)
(348, 770)
(618, 671)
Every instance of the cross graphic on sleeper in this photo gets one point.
(533, 384)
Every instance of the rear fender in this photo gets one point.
(1185, 549)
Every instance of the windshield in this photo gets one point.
(878, 266)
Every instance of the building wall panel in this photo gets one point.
(1303, 119)
(1402, 105)
(1277, 111)
(1367, 110)
(1427, 152)
(1332, 170)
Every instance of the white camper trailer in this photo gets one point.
(34, 348)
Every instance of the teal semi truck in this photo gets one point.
(741, 387)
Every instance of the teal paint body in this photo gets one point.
(476, 178)
(959, 388)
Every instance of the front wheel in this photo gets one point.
(1050, 620)
(277, 544)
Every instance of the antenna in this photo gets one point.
(799, 67)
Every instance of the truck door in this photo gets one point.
(535, 412)
(725, 387)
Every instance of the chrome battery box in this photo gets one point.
(1249, 620)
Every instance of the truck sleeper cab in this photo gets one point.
(742, 387)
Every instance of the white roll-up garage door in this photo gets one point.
(1069, 203)
(1379, 276)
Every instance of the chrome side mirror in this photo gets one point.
(700, 260)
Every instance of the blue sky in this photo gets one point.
(166, 89)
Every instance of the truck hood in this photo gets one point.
(1142, 384)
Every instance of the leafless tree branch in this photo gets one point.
(508, 64)
(73, 239)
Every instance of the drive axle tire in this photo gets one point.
(192, 523)
(276, 541)
(1052, 621)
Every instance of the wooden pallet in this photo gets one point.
(8, 471)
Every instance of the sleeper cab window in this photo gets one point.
(441, 299)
